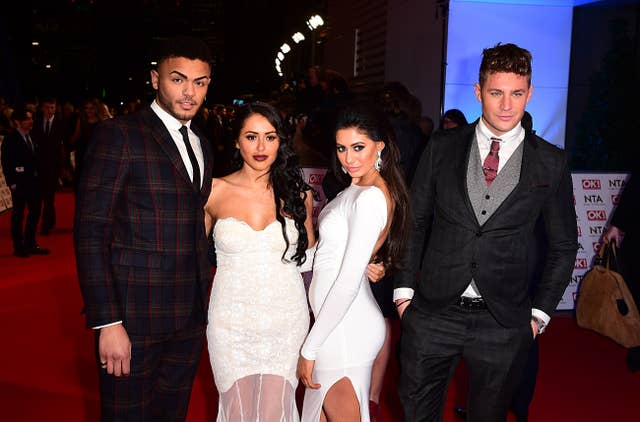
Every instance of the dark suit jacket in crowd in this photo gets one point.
(625, 217)
(495, 254)
(50, 146)
(18, 160)
(141, 247)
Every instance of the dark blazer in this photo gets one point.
(141, 247)
(495, 254)
(50, 147)
(18, 160)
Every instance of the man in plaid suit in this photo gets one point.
(141, 246)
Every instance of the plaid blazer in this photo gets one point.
(140, 242)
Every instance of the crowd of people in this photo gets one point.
(434, 226)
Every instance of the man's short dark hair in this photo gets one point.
(20, 114)
(183, 46)
(507, 58)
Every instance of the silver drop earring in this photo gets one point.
(344, 170)
(378, 163)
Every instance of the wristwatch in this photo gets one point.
(539, 323)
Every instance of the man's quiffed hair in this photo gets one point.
(182, 46)
(507, 58)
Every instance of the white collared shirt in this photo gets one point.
(173, 125)
(509, 142)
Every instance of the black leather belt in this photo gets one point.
(472, 303)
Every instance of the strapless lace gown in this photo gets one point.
(258, 319)
(349, 328)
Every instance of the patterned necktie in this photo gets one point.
(192, 157)
(490, 166)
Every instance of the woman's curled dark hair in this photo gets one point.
(285, 176)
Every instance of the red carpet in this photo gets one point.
(47, 369)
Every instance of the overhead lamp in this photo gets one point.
(35, 43)
(314, 22)
(297, 37)
(285, 48)
(154, 63)
(48, 66)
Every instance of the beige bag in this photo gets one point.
(605, 304)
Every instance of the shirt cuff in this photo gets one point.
(541, 316)
(107, 325)
(402, 293)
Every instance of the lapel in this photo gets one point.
(462, 163)
(162, 136)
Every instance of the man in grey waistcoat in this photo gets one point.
(463, 294)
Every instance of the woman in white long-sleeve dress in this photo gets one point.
(369, 218)
(258, 315)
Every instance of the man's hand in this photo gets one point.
(613, 233)
(401, 306)
(534, 328)
(115, 350)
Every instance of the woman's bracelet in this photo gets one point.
(402, 302)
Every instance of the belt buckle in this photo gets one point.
(471, 303)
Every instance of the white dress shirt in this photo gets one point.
(173, 126)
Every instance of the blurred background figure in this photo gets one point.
(453, 118)
(49, 135)
(426, 126)
(624, 231)
(20, 171)
(91, 113)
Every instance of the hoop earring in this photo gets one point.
(378, 163)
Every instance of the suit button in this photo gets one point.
(478, 234)
(483, 212)
(474, 265)
(487, 197)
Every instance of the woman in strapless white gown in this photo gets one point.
(258, 313)
(368, 219)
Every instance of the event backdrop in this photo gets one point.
(595, 196)
(314, 177)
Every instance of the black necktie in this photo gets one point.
(47, 127)
(28, 139)
(192, 157)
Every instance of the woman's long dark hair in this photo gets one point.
(374, 123)
(285, 176)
